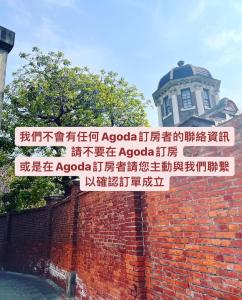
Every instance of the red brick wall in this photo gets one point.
(110, 262)
(61, 246)
(98, 235)
(27, 248)
(182, 244)
(193, 234)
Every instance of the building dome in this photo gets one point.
(183, 71)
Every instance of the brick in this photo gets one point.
(188, 247)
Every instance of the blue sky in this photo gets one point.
(139, 39)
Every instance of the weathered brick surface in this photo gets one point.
(193, 234)
(27, 243)
(110, 260)
(182, 244)
(61, 234)
(3, 238)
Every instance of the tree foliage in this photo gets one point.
(48, 91)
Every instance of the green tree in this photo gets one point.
(48, 91)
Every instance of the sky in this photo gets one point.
(140, 39)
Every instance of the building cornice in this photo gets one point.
(177, 83)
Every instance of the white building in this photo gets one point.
(189, 96)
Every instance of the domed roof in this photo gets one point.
(183, 71)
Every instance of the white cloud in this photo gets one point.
(237, 6)
(48, 36)
(224, 38)
(94, 56)
(19, 11)
(137, 4)
(197, 11)
(62, 3)
(47, 33)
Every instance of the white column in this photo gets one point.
(175, 109)
(216, 97)
(159, 115)
(199, 99)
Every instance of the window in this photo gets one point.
(167, 106)
(206, 100)
(186, 98)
